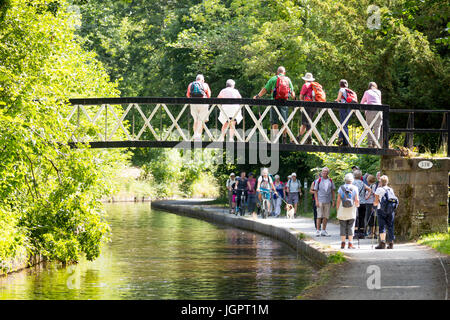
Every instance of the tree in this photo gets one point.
(50, 193)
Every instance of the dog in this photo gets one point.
(290, 212)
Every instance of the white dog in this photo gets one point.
(290, 213)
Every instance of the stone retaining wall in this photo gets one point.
(308, 249)
(422, 193)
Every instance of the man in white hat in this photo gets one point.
(307, 94)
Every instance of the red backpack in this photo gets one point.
(351, 96)
(319, 94)
(282, 88)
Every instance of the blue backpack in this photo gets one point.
(389, 202)
(197, 90)
(347, 197)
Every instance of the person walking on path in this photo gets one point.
(345, 95)
(311, 91)
(199, 89)
(265, 186)
(324, 195)
(295, 192)
(370, 211)
(280, 88)
(241, 190)
(347, 204)
(229, 110)
(230, 186)
(373, 96)
(251, 186)
(386, 203)
(360, 226)
(279, 195)
(311, 191)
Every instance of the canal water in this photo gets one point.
(159, 255)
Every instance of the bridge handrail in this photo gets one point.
(224, 101)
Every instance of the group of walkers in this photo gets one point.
(361, 201)
(280, 87)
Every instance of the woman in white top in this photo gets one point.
(265, 186)
(229, 110)
(347, 215)
(373, 96)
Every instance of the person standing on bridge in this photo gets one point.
(373, 96)
(324, 195)
(345, 95)
(199, 89)
(311, 91)
(280, 87)
(230, 110)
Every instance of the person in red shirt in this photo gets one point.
(307, 94)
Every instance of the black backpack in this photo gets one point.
(389, 202)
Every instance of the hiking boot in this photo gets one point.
(390, 245)
(382, 245)
(350, 246)
(342, 245)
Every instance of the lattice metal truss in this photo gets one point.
(168, 119)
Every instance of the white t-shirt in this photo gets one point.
(229, 110)
(380, 193)
(266, 183)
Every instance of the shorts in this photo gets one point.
(347, 227)
(292, 198)
(200, 112)
(274, 118)
(323, 211)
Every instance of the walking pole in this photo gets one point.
(374, 226)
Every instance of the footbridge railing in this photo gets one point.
(167, 122)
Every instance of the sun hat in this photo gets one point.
(232, 174)
(308, 77)
(294, 174)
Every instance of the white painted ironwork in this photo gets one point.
(117, 120)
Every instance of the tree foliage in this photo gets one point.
(49, 193)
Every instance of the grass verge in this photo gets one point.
(438, 241)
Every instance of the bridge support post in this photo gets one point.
(422, 191)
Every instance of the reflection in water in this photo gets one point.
(158, 255)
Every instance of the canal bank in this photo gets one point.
(410, 271)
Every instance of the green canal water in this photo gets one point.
(159, 255)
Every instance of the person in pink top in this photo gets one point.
(373, 96)
(230, 110)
